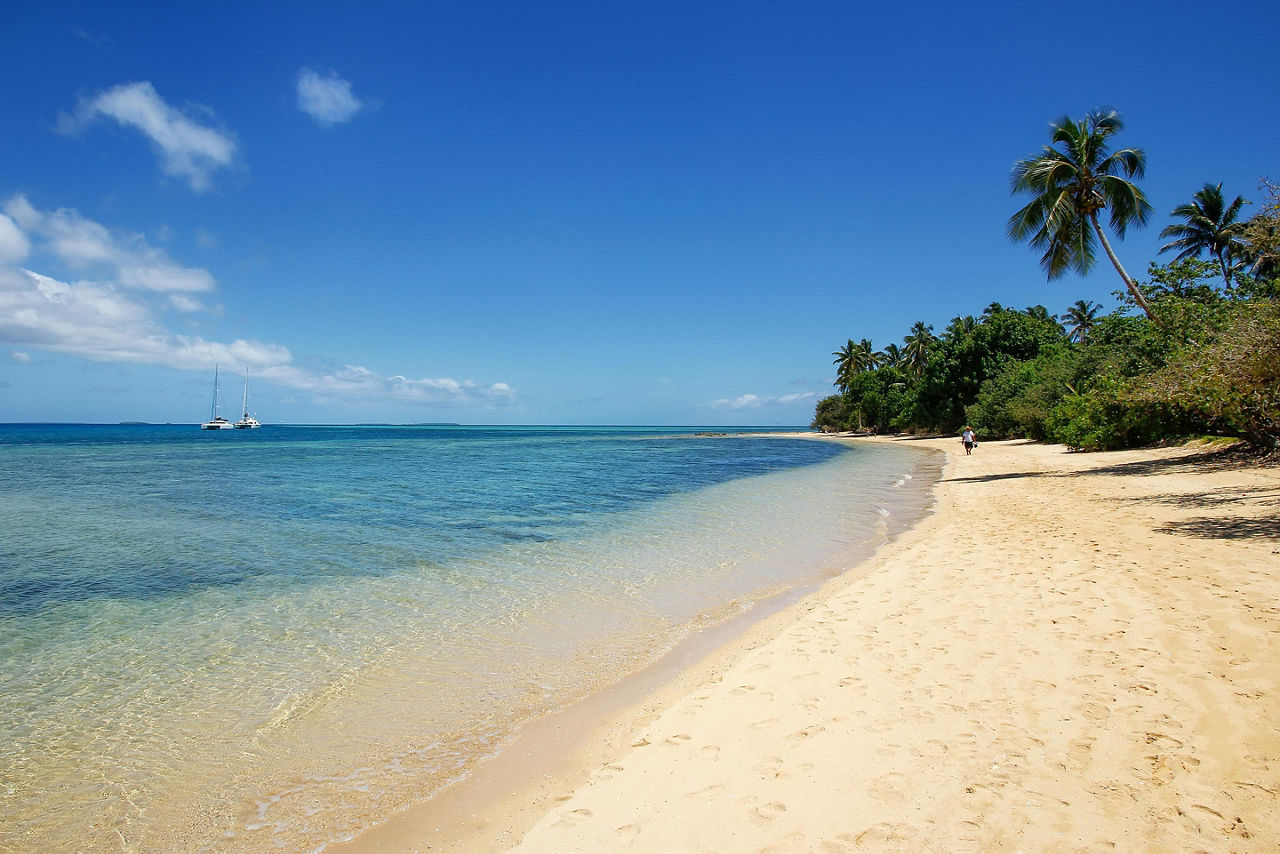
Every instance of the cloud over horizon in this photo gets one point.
(118, 317)
(327, 99)
(755, 401)
(187, 148)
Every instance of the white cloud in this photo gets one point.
(743, 402)
(85, 245)
(14, 245)
(326, 99)
(187, 148)
(117, 318)
(186, 304)
(755, 401)
(20, 357)
(352, 381)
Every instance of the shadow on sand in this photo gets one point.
(1235, 526)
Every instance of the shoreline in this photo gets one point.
(505, 794)
(1073, 651)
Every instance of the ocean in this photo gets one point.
(273, 639)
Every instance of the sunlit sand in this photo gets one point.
(1074, 652)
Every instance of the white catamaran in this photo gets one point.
(216, 421)
(247, 421)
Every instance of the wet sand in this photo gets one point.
(1074, 652)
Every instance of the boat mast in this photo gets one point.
(214, 413)
(244, 405)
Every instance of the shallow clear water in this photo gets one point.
(266, 640)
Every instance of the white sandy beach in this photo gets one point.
(1073, 653)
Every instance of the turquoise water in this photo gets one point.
(270, 640)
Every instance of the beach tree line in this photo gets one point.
(1193, 349)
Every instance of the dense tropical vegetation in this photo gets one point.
(1200, 357)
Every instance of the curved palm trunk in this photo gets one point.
(1129, 283)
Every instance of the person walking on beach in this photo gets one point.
(969, 440)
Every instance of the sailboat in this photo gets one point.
(247, 421)
(216, 421)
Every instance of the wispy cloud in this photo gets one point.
(326, 98)
(119, 317)
(88, 246)
(187, 148)
(756, 401)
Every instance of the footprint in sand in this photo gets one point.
(890, 787)
(627, 833)
(1079, 753)
(766, 813)
(807, 732)
(573, 818)
(712, 791)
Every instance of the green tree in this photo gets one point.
(961, 326)
(846, 359)
(1261, 235)
(853, 359)
(1081, 319)
(919, 343)
(891, 356)
(1209, 226)
(1070, 186)
(832, 414)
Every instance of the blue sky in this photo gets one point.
(575, 213)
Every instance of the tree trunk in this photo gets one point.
(1129, 283)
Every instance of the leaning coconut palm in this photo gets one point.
(1070, 186)
(918, 346)
(1081, 318)
(1210, 226)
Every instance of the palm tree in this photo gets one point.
(846, 359)
(959, 327)
(1039, 312)
(918, 346)
(1210, 226)
(853, 359)
(1070, 186)
(868, 358)
(890, 356)
(1082, 317)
